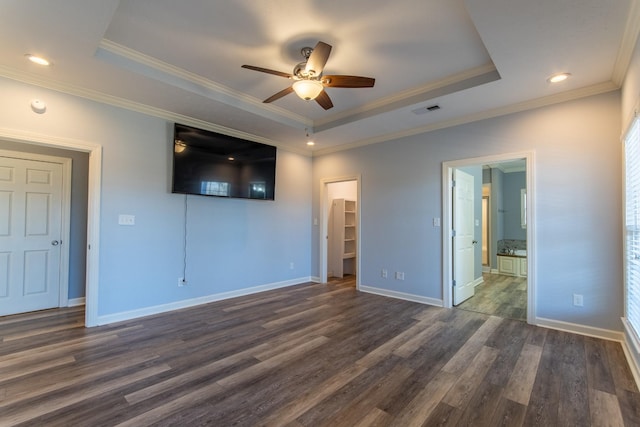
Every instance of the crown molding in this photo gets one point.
(115, 101)
(454, 83)
(629, 40)
(474, 72)
(178, 77)
(186, 80)
(496, 112)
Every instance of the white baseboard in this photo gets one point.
(148, 311)
(478, 281)
(486, 269)
(315, 279)
(495, 271)
(575, 328)
(402, 295)
(75, 302)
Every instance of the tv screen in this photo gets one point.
(211, 164)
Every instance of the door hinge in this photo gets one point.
(453, 282)
(453, 233)
(453, 183)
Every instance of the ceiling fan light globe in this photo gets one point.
(308, 89)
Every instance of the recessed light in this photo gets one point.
(37, 59)
(232, 158)
(309, 138)
(557, 78)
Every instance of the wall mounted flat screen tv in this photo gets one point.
(211, 164)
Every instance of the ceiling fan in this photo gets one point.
(309, 83)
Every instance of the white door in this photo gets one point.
(463, 240)
(31, 212)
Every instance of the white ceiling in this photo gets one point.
(181, 60)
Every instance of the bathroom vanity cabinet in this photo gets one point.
(512, 265)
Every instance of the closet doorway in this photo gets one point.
(340, 242)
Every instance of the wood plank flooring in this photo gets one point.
(499, 295)
(309, 355)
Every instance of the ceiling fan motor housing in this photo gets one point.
(299, 70)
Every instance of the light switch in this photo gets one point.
(126, 219)
(436, 222)
(477, 223)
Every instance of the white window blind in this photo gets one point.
(632, 225)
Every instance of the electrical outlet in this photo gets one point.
(578, 300)
(181, 281)
(399, 275)
(384, 273)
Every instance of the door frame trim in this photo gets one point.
(65, 226)
(447, 206)
(93, 206)
(324, 225)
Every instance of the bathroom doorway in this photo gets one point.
(503, 265)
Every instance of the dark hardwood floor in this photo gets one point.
(500, 295)
(309, 355)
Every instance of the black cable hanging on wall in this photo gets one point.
(184, 243)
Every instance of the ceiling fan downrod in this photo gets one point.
(300, 70)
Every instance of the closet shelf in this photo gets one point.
(342, 237)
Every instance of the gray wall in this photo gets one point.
(78, 227)
(231, 244)
(578, 235)
(579, 245)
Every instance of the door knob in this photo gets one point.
(55, 242)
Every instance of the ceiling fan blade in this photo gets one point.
(324, 100)
(278, 95)
(268, 71)
(348, 81)
(318, 58)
